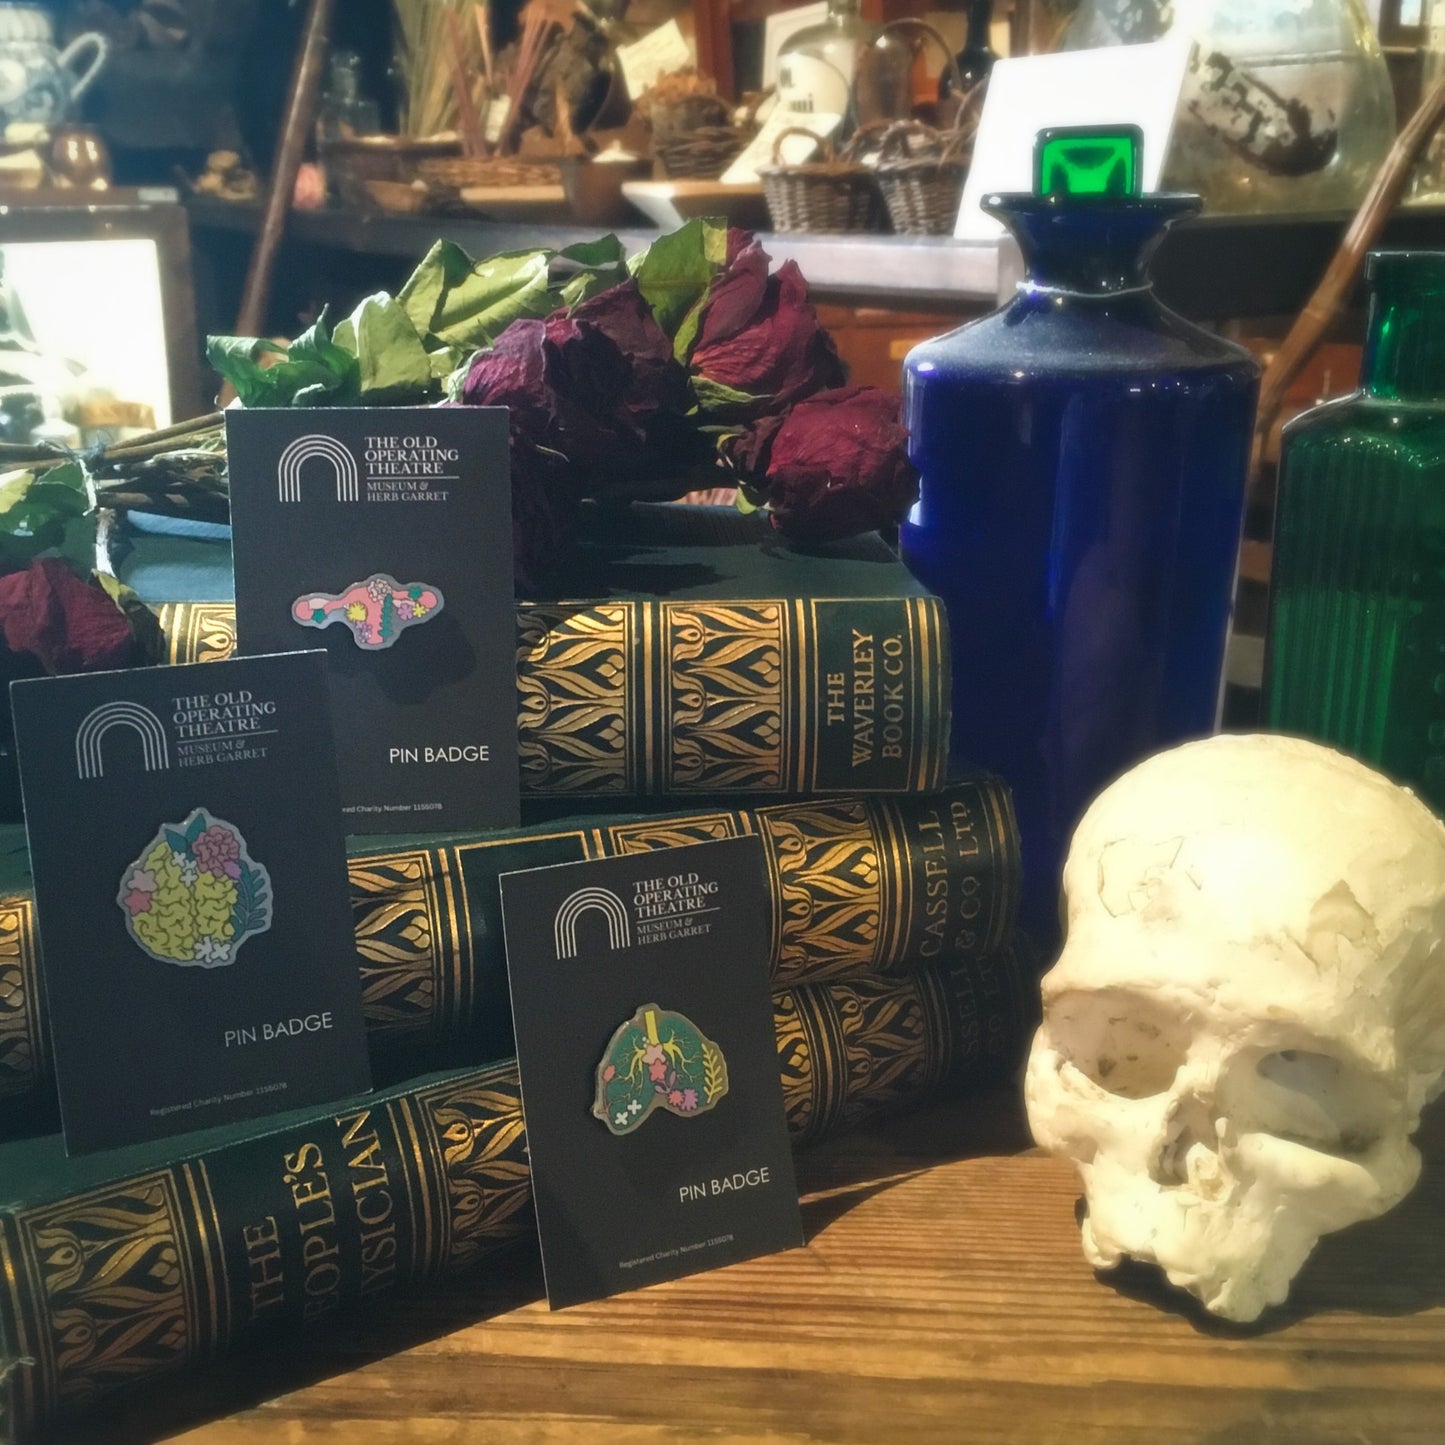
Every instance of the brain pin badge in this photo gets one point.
(195, 894)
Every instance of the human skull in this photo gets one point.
(1248, 1014)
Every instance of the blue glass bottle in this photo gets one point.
(1082, 455)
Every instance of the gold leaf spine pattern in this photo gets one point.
(22, 1042)
(650, 834)
(726, 697)
(575, 714)
(483, 1180)
(397, 917)
(928, 628)
(850, 1051)
(833, 888)
(796, 1060)
(117, 1302)
(198, 631)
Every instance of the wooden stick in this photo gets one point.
(300, 115)
(1344, 271)
(483, 16)
(474, 140)
(529, 53)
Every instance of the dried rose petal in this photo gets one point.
(761, 336)
(837, 465)
(67, 624)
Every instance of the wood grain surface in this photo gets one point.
(942, 1296)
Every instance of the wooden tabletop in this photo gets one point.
(942, 1296)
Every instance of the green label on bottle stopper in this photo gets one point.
(1088, 161)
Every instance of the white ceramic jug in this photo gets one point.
(37, 82)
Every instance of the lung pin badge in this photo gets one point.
(658, 1060)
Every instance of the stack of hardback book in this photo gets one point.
(741, 689)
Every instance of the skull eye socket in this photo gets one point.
(1319, 1100)
(1121, 1041)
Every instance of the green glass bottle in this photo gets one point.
(1356, 648)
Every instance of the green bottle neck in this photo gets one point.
(1405, 336)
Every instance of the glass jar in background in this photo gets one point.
(1355, 654)
(1287, 107)
(343, 110)
(977, 57)
(1428, 181)
(839, 68)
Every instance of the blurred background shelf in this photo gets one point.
(1212, 269)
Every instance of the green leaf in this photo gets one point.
(493, 294)
(36, 513)
(176, 842)
(464, 305)
(675, 275)
(714, 395)
(279, 384)
(145, 626)
(237, 358)
(393, 364)
(315, 347)
(604, 252)
(57, 497)
(583, 286)
(57, 491)
(13, 487)
(195, 827)
(444, 266)
(603, 265)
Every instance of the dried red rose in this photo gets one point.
(582, 384)
(652, 380)
(760, 336)
(66, 624)
(834, 466)
(596, 397)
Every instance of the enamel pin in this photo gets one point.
(377, 610)
(195, 895)
(658, 1060)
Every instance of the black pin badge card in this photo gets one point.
(384, 536)
(649, 1066)
(191, 894)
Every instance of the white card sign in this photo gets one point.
(659, 52)
(1117, 85)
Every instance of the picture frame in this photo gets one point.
(98, 313)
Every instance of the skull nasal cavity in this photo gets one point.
(1190, 1123)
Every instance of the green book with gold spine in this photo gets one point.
(119, 1269)
(704, 657)
(867, 885)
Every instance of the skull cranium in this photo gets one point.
(1249, 1011)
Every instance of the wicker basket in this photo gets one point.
(695, 140)
(921, 172)
(699, 155)
(459, 173)
(837, 193)
(351, 163)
